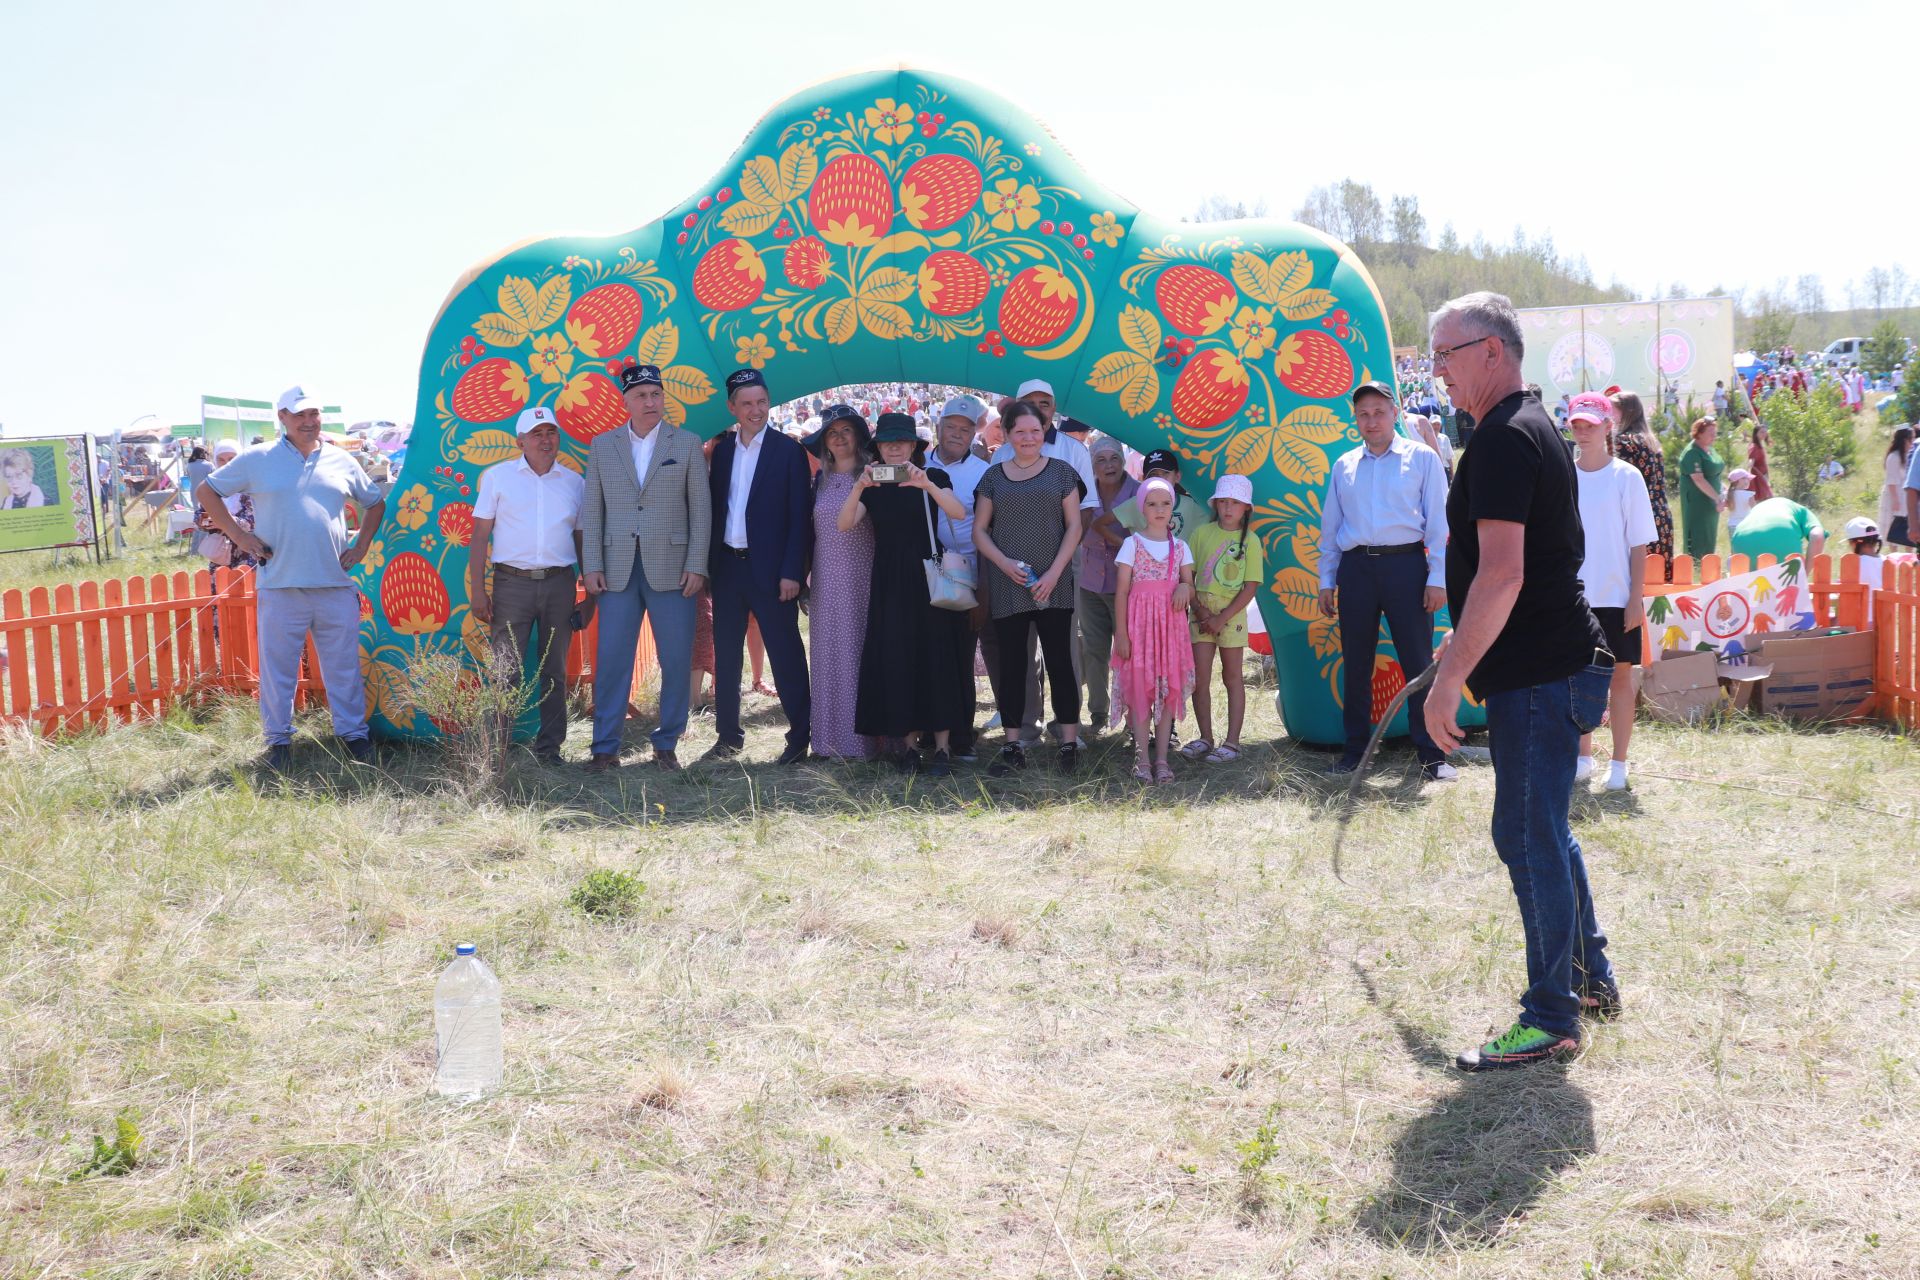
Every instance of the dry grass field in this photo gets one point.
(1059, 1028)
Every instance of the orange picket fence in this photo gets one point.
(120, 650)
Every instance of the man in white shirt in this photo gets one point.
(762, 502)
(527, 519)
(1059, 444)
(960, 420)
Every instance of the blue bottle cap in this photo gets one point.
(464, 949)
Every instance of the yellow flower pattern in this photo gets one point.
(551, 357)
(1253, 332)
(891, 122)
(1011, 204)
(753, 351)
(415, 505)
(1105, 229)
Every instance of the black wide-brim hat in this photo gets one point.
(816, 443)
(896, 426)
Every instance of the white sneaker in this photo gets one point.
(1583, 768)
(1441, 771)
(1617, 776)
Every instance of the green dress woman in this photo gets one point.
(1700, 498)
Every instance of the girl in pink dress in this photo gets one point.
(1152, 656)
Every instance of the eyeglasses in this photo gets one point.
(1440, 356)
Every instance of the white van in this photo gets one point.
(1844, 351)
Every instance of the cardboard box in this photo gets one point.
(1818, 677)
(1681, 688)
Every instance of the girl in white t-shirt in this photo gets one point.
(1618, 519)
(1152, 657)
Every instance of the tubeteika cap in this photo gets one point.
(640, 375)
(744, 378)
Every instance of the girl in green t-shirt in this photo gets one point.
(1229, 564)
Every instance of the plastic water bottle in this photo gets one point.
(466, 1027)
(1027, 576)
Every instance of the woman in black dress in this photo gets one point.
(916, 667)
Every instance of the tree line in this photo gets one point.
(1415, 276)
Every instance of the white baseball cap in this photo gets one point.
(1032, 385)
(1860, 527)
(296, 400)
(530, 419)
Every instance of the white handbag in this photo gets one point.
(950, 578)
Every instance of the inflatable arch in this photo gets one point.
(907, 226)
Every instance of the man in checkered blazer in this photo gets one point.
(645, 523)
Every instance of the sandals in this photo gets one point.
(1225, 753)
(1196, 749)
(1142, 772)
(1162, 774)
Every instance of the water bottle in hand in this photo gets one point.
(466, 1027)
(1027, 576)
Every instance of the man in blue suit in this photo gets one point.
(762, 491)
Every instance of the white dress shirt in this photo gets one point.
(534, 515)
(642, 446)
(1388, 500)
(1064, 447)
(957, 535)
(746, 459)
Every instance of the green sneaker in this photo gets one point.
(1519, 1046)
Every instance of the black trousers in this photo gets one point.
(1055, 627)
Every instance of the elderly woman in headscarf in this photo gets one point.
(208, 541)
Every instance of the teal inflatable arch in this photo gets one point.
(901, 226)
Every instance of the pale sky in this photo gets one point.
(231, 198)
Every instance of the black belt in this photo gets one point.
(515, 571)
(737, 552)
(1402, 549)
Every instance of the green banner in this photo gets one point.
(226, 418)
(46, 494)
(1685, 344)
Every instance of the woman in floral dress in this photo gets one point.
(1633, 443)
(837, 592)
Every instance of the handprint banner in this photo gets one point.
(1730, 617)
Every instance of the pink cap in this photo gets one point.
(1592, 406)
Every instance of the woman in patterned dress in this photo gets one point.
(838, 589)
(1633, 443)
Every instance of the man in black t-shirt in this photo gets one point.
(1527, 645)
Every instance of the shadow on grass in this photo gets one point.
(1483, 1153)
(639, 793)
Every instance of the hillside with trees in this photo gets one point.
(1416, 273)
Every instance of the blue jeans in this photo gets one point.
(1393, 587)
(673, 618)
(1535, 735)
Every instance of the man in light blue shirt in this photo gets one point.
(1383, 548)
(300, 489)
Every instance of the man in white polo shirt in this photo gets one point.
(527, 518)
(1062, 445)
(300, 488)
